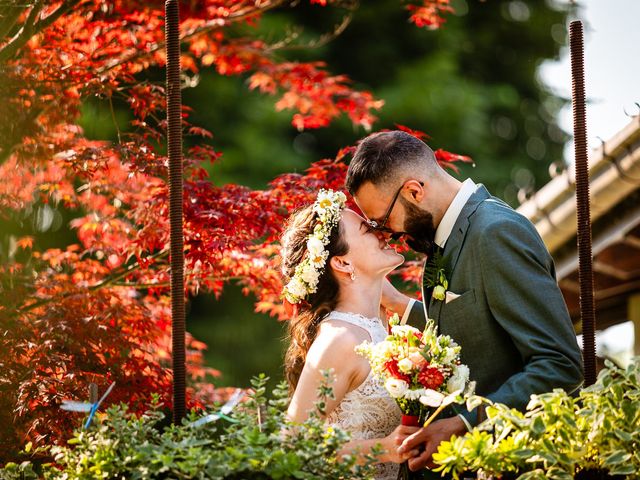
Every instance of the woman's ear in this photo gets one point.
(414, 190)
(341, 264)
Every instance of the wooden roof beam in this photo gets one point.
(632, 241)
(611, 271)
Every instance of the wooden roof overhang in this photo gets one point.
(614, 173)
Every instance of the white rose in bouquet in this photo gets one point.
(405, 365)
(431, 398)
(459, 378)
(396, 387)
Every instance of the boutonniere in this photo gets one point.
(435, 276)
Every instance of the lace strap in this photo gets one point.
(366, 323)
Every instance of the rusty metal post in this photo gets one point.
(174, 148)
(585, 260)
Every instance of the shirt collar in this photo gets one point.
(453, 212)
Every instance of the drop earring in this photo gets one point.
(353, 275)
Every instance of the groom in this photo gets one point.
(502, 305)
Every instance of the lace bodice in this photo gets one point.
(367, 411)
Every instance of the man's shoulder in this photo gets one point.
(493, 213)
(495, 223)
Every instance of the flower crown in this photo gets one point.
(328, 206)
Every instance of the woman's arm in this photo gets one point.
(393, 300)
(333, 350)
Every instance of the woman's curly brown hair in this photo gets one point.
(303, 328)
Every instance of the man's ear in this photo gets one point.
(341, 264)
(414, 190)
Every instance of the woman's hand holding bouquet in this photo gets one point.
(421, 371)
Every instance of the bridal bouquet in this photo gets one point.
(421, 370)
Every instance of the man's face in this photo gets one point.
(404, 216)
(420, 231)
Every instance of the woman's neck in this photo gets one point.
(361, 297)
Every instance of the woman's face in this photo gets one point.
(369, 253)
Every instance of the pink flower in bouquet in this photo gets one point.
(418, 360)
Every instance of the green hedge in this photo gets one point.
(559, 437)
(258, 442)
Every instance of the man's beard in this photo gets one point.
(418, 228)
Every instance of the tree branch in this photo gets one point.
(24, 34)
(11, 15)
(30, 28)
(168, 284)
(324, 39)
(104, 283)
(207, 27)
(52, 17)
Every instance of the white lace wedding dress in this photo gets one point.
(368, 411)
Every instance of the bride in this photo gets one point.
(334, 266)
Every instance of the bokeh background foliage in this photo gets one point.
(472, 86)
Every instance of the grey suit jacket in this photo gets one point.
(510, 318)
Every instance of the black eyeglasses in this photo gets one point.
(381, 227)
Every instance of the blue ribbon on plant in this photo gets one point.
(227, 408)
(92, 408)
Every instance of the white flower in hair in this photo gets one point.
(324, 201)
(328, 206)
(310, 275)
(297, 288)
(315, 246)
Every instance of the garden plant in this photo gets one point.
(593, 435)
(254, 442)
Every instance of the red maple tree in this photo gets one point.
(98, 310)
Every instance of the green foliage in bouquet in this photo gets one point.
(257, 443)
(559, 437)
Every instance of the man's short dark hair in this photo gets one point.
(382, 156)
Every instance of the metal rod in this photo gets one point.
(174, 148)
(585, 259)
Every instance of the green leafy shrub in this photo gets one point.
(559, 437)
(257, 443)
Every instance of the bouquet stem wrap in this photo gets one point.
(410, 420)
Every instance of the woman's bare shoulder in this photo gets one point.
(335, 343)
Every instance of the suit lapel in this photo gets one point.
(455, 241)
(454, 244)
